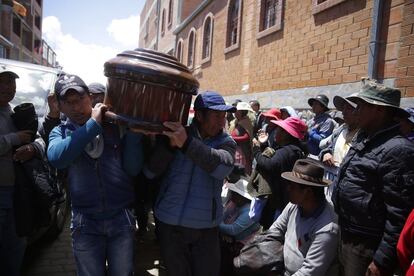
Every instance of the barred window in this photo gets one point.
(233, 23)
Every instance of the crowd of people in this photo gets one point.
(328, 196)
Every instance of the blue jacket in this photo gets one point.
(320, 127)
(190, 192)
(103, 185)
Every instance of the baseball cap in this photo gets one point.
(212, 100)
(96, 88)
(68, 82)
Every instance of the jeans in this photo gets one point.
(12, 247)
(97, 242)
(354, 258)
(190, 252)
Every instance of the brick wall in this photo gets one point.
(166, 42)
(148, 13)
(327, 48)
(405, 65)
(188, 6)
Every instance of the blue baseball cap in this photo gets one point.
(212, 100)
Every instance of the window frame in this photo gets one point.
(170, 14)
(319, 7)
(179, 55)
(236, 45)
(163, 22)
(194, 32)
(205, 59)
(261, 31)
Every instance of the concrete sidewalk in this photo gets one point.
(56, 259)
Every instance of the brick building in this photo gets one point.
(159, 18)
(284, 51)
(21, 33)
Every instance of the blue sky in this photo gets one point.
(84, 34)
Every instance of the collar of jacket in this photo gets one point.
(362, 139)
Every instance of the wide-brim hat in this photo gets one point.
(240, 187)
(294, 126)
(323, 99)
(244, 106)
(273, 113)
(379, 94)
(5, 71)
(307, 172)
(339, 103)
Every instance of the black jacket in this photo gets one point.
(271, 170)
(374, 192)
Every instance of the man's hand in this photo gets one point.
(255, 142)
(177, 135)
(54, 111)
(374, 270)
(24, 153)
(25, 136)
(328, 159)
(98, 111)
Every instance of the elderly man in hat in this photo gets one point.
(374, 191)
(341, 139)
(308, 224)
(188, 207)
(101, 159)
(322, 125)
(12, 246)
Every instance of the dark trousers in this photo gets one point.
(190, 252)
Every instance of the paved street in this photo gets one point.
(56, 259)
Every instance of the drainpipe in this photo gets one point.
(158, 23)
(374, 43)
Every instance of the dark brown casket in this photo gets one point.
(146, 88)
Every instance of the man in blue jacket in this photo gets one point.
(100, 159)
(189, 207)
(321, 126)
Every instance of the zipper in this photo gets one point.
(186, 196)
(100, 185)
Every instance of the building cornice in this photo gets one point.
(190, 18)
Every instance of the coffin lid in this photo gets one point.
(152, 67)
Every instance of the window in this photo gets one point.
(163, 22)
(170, 13)
(321, 5)
(207, 38)
(38, 21)
(146, 29)
(179, 51)
(233, 25)
(270, 17)
(191, 48)
(17, 25)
